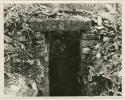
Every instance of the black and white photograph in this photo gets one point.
(62, 49)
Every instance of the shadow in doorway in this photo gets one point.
(64, 65)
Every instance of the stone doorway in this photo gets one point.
(66, 70)
(64, 63)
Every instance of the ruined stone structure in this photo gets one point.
(61, 50)
(76, 32)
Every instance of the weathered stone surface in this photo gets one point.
(39, 42)
(39, 35)
(83, 58)
(20, 86)
(55, 25)
(8, 47)
(42, 74)
(21, 38)
(90, 36)
(85, 50)
(7, 39)
(19, 33)
(86, 43)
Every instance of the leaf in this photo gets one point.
(105, 39)
(98, 55)
(97, 46)
(105, 57)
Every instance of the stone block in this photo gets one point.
(7, 39)
(21, 38)
(8, 47)
(61, 24)
(19, 33)
(85, 43)
(39, 35)
(85, 50)
(90, 36)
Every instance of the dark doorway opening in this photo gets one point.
(64, 64)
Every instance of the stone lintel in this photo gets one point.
(61, 25)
